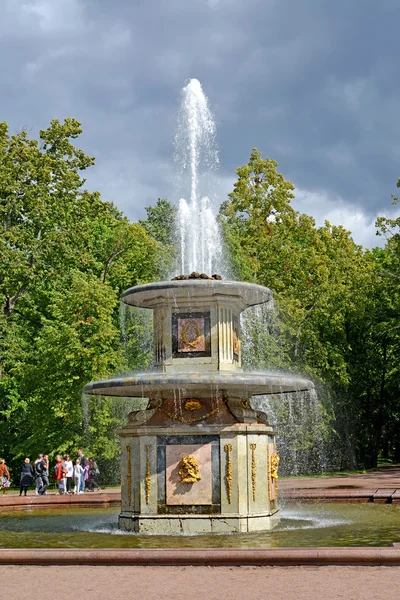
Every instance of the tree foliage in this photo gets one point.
(161, 226)
(65, 257)
(337, 305)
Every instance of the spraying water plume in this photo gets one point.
(195, 148)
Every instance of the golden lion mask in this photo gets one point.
(189, 469)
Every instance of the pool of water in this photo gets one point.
(300, 525)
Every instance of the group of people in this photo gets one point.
(83, 473)
(70, 477)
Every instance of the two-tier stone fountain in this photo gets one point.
(199, 458)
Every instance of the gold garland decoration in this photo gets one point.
(129, 474)
(189, 469)
(228, 476)
(195, 419)
(148, 449)
(193, 343)
(253, 470)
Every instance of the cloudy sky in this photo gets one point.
(313, 84)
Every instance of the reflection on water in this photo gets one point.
(301, 525)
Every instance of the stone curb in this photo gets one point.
(377, 556)
(13, 503)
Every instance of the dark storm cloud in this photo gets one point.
(313, 84)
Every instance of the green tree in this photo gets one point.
(65, 257)
(387, 335)
(160, 222)
(161, 227)
(259, 203)
(323, 284)
(44, 212)
(76, 342)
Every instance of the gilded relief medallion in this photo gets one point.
(191, 335)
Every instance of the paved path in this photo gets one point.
(384, 477)
(200, 583)
(13, 501)
(382, 485)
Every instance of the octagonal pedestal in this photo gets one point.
(234, 488)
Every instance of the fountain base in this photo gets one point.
(197, 524)
(199, 479)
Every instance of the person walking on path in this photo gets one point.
(83, 463)
(38, 467)
(93, 475)
(78, 475)
(45, 476)
(26, 477)
(4, 476)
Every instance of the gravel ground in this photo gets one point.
(199, 583)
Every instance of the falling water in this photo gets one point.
(137, 337)
(298, 416)
(301, 430)
(259, 337)
(195, 155)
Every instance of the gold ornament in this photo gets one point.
(244, 404)
(273, 462)
(236, 342)
(129, 474)
(148, 449)
(274, 465)
(228, 476)
(253, 470)
(196, 419)
(191, 343)
(192, 405)
(189, 469)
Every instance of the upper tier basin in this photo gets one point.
(154, 295)
(236, 384)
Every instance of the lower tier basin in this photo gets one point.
(326, 524)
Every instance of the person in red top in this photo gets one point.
(59, 474)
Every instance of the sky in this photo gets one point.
(312, 84)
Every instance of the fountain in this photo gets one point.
(200, 458)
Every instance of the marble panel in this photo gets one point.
(199, 492)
